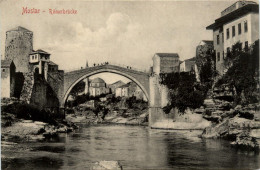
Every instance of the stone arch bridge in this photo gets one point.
(73, 77)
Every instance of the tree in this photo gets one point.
(243, 73)
(79, 87)
(184, 91)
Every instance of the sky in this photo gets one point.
(120, 32)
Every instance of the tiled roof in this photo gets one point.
(19, 28)
(167, 54)
(208, 41)
(52, 63)
(234, 15)
(39, 51)
(191, 59)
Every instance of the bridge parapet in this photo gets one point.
(110, 64)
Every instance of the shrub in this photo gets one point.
(184, 91)
(27, 111)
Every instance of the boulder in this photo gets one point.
(107, 165)
(244, 140)
(230, 128)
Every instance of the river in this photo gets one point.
(134, 147)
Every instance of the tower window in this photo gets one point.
(233, 31)
(218, 56)
(245, 26)
(239, 28)
(246, 45)
(217, 39)
(228, 33)
(222, 37)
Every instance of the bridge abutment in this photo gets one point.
(158, 99)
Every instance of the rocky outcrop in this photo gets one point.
(107, 165)
(238, 130)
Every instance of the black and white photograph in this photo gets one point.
(130, 84)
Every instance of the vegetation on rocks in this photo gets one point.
(242, 74)
(23, 110)
(184, 91)
(108, 109)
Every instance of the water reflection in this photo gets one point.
(134, 147)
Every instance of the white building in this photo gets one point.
(187, 65)
(238, 23)
(97, 87)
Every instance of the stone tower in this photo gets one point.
(86, 91)
(18, 46)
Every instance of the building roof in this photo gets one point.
(39, 51)
(124, 86)
(191, 59)
(207, 42)
(233, 15)
(117, 82)
(52, 63)
(6, 63)
(167, 54)
(19, 28)
(98, 80)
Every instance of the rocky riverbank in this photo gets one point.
(239, 125)
(17, 126)
(111, 118)
(127, 111)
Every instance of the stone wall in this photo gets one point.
(56, 82)
(43, 95)
(5, 82)
(18, 46)
(38, 92)
(27, 87)
(158, 100)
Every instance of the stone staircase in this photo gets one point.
(27, 87)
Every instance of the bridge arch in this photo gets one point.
(104, 70)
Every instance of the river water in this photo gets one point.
(134, 147)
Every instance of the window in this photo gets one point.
(222, 37)
(218, 56)
(217, 39)
(3, 70)
(239, 28)
(246, 45)
(233, 31)
(33, 57)
(228, 50)
(223, 54)
(228, 33)
(245, 26)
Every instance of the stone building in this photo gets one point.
(97, 87)
(238, 23)
(39, 61)
(188, 65)
(115, 85)
(129, 90)
(165, 63)
(7, 78)
(18, 46)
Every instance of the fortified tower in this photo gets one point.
(18, 46)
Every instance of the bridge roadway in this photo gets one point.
(73, 77)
